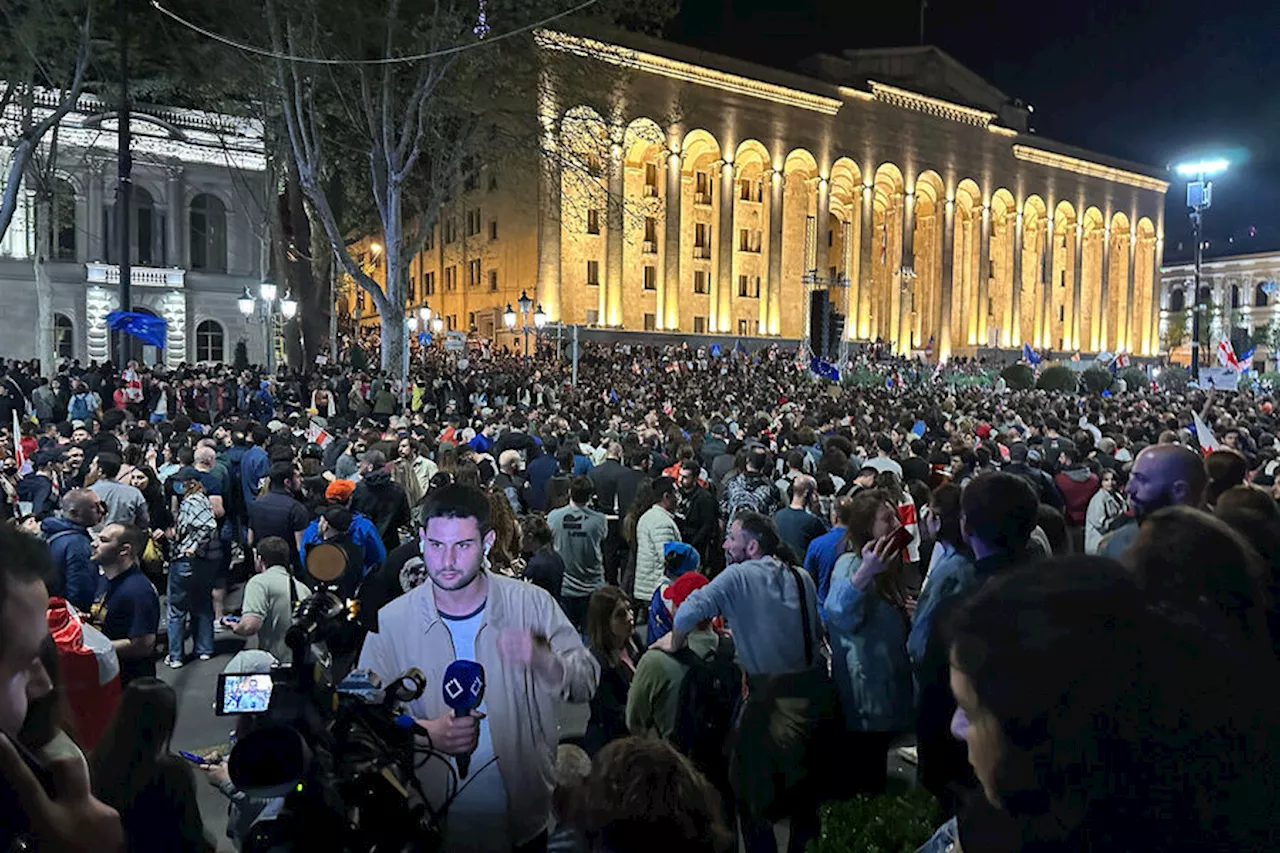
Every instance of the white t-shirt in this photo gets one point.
(477, 820)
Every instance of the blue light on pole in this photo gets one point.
(1199, 198)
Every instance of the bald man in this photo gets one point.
(1162, 475)
(799, 524)
(512, 482)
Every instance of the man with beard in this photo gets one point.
(1162, 475)
(531, 656)
(697, 512)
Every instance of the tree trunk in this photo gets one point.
(393, 327)
(318, 322)
(44, 288)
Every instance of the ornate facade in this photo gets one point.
(1241, 298)
(712, 195)
(197, 231)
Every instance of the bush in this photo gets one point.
(1019, 377)
(1095, 380)
(1057, 377)
(1173, 378)
(242, 356)
(1135, 378)
(888, 823)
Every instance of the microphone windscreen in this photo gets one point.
(463, 686)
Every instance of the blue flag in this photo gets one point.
(1246, 358)
(825, 369)
(715, 350)
(1029, 355)
(145, 327)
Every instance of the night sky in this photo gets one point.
(1147, 80)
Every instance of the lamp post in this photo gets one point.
(1199, 197)
(526, 306)
(267, 291)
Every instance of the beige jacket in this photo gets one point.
(520, 707)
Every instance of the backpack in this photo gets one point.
(705, 708)
(80, 407)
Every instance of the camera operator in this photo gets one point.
(530, 653)
(72, 821)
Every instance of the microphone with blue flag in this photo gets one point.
(463, 691)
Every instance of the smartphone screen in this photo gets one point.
(243, 694)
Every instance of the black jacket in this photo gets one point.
(607, 476)
(700, 524)
(385, 503)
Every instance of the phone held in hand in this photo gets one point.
(193, 758)
(901, 539)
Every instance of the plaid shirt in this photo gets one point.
(196, 525)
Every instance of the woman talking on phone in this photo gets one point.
(867, 621)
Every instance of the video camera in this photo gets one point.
(341, 757)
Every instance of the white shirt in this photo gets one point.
(477, 819)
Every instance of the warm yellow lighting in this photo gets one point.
(376, 248)
(1003, 131)
(1085, 167)
(684, 71)
(936, 107)
(850, 92)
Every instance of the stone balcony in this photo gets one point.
(99, 273)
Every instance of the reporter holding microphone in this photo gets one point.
(496, 652)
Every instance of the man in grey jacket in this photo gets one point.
(125, 504)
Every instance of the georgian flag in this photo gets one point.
(1227, 356)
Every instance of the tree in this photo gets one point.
(419, 126)
(1175, 334)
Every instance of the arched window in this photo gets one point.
(64, 344)
(209, 338)
(62, 222)
(208, 235)
(146, 229)
(1178, 300)
(1260, 295)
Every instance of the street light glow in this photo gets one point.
(268, 291)
(376, 248)
(509, 317)
(425, 313)
(525, 302)
(245, 302)
(289, 306)
(1202, 168)
(539, 317)
(437, 325)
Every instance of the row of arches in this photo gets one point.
(699, 234)
(206, 221)
(210, 339)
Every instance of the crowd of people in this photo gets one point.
(758, 584)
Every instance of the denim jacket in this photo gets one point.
(952, 575)
(945, 840)
(869, 654)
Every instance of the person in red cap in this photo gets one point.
(363, 531)
(653, 702)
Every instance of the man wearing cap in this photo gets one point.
(654, 699)
(363, 532)
(40, 487)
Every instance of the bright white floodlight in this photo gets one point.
(1201, 168)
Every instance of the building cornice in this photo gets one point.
(1088, 168)
(935, 107)
(685, 72)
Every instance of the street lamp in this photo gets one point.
(246, 303)
(437, 324)
(267, 291)
(289, 306)
(539, 318)
(1199, 197)
(509, 318)
(526, 307)
(425, 314)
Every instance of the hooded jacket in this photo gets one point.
(75, 577)
(1077, 485)
(385, 503)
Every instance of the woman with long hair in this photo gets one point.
(867, 623)
(611, 627)
(135, 772)
(504, 557)
(1104, 506)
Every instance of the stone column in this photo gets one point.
(905, 289)
(984, 275)
(93, 212)
(175, 255)
(549, 224)
(863, 282)
(776, 187)
(822, 254)
(721, 300)
(946, 282)
(671, 252)
(1128, 316)
(611, 315)
(1076, 289)
(1014, 338)
(1100, 316)
(1046, 276)
(1151, 344)
(847, 269)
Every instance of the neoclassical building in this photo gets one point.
(197, 230)
(714, 195)
(1241, 298)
